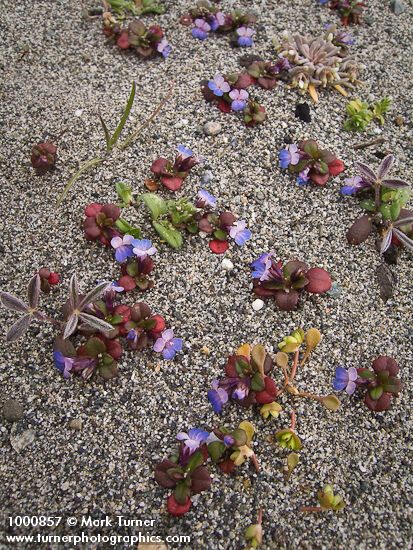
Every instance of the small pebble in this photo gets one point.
(206, 178)
(12, 410)
(78, 112)
(227, 265)
(302, 111)
(212, 128)
(398, 7)
(257, 304)
(75, 424)
(399, 120)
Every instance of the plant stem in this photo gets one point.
(259, 517)
(377, 196)
(311, 509)
(293, 420)
(366, 144)
(295, 365)
(43, 317)
(84, 168)
(255, 462)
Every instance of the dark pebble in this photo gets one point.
(302, 111)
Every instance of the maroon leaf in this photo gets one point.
(365, 172)
(360, 230)
(17, 330)
(201, 480)
(12, 302)
(33, 291)
(319, 280)
(286, 301)
(403, 238)
(385, 166)
(395, 183)
(173, 183)
(379, 405)
(386, 363)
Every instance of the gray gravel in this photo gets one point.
(67, 75)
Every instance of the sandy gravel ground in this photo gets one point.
(67, 74)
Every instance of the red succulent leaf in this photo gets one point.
(160, 324)
(127, 282)
(173, 183)
(268, 394)
(264, 292)
(176, 509)
(111, 211)
(123, 40)
(224, 106)
(146, 265)
(53, 278)
(113, 347)
(226, 219)
(319, 179)
(91, 229)
(336, 167)
(267, 83)
(287, 301)
(319, 280)
(201, 480)
(159, 165)
(151, 185)
(93, 209)
(385, 363)
(218, 247)
(226, 466)
(244, 80)
(230, 369)
(381, 404)
(124, 311)
(161, 475)
(360, 230)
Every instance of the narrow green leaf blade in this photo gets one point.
(125, 116)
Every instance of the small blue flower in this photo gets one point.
(122, 247)
(354, 185)
(345, 379)
(261, 267)
(192, 440)
(244, 36)
(63, 364)
(219, 85)
(239, 232)
(143, 248)
(303, 177)
(201, 29)
(185, 152)
(164, 47)
(168, 345)
(228, 440)
(217, 397)
(206, 199)
(288, 156)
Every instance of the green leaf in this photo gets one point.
(368, 204)
(216, 449)
(240, 437)
(292, 461)
(125, 116)
(220, 234)
(84, 168)
(258, 355)
(107, 372)
(157, 206)
(376, 393)
(127, 229)
(124, 192)
(257, 382)
(395, 210)
(196, 460)
(105, 129)
(94, 346)
(330, 402)
(181, 493)
(169, 234)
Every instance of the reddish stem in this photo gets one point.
(295, 365)
(312, 509)
(255, 462)
(259, 518)
(293, 420)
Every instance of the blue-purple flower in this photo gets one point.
(282, 64)
(73, 365)
(206, 199)
(217, 396)
(244, 36)
(123, 247)
(303, 177)
(345, 38)
(184, 152)
(143, 248)
(289, 155)
(217, 20)
(167, 344)
(192, 440)
(164, 47)
(219, 85)
(201, 29)
(261, 267)
(353, 185)
(345, 379)
(239, 232)
(239, 99)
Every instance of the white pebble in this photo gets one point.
(227, 264)
(78, 112)
(257, 304)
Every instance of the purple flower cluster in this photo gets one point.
(291, 156)
(219, 86)
(219, 22)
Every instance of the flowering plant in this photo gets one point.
(350, 11)
(327, 501)
(172, 174)
(381, 384)
(186, 473)
(384, 198)
(285, 283)
(145, 42)
(230, 95)
(310, 163)
(207, 18)
(96, 317)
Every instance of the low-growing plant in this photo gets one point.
(172, 174)
(135, 7)
(145, 41)
(310, 163)
(320, 62)
(328, 501)
(96, 318)
(380, 384)
(43, 157)
(171, 217)
(360, 114)
(254, 533)
(248, 376)
(207, 18)
(186, 473)
(285, 283)
(350, 11)
(230, 95)
(384, 198)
